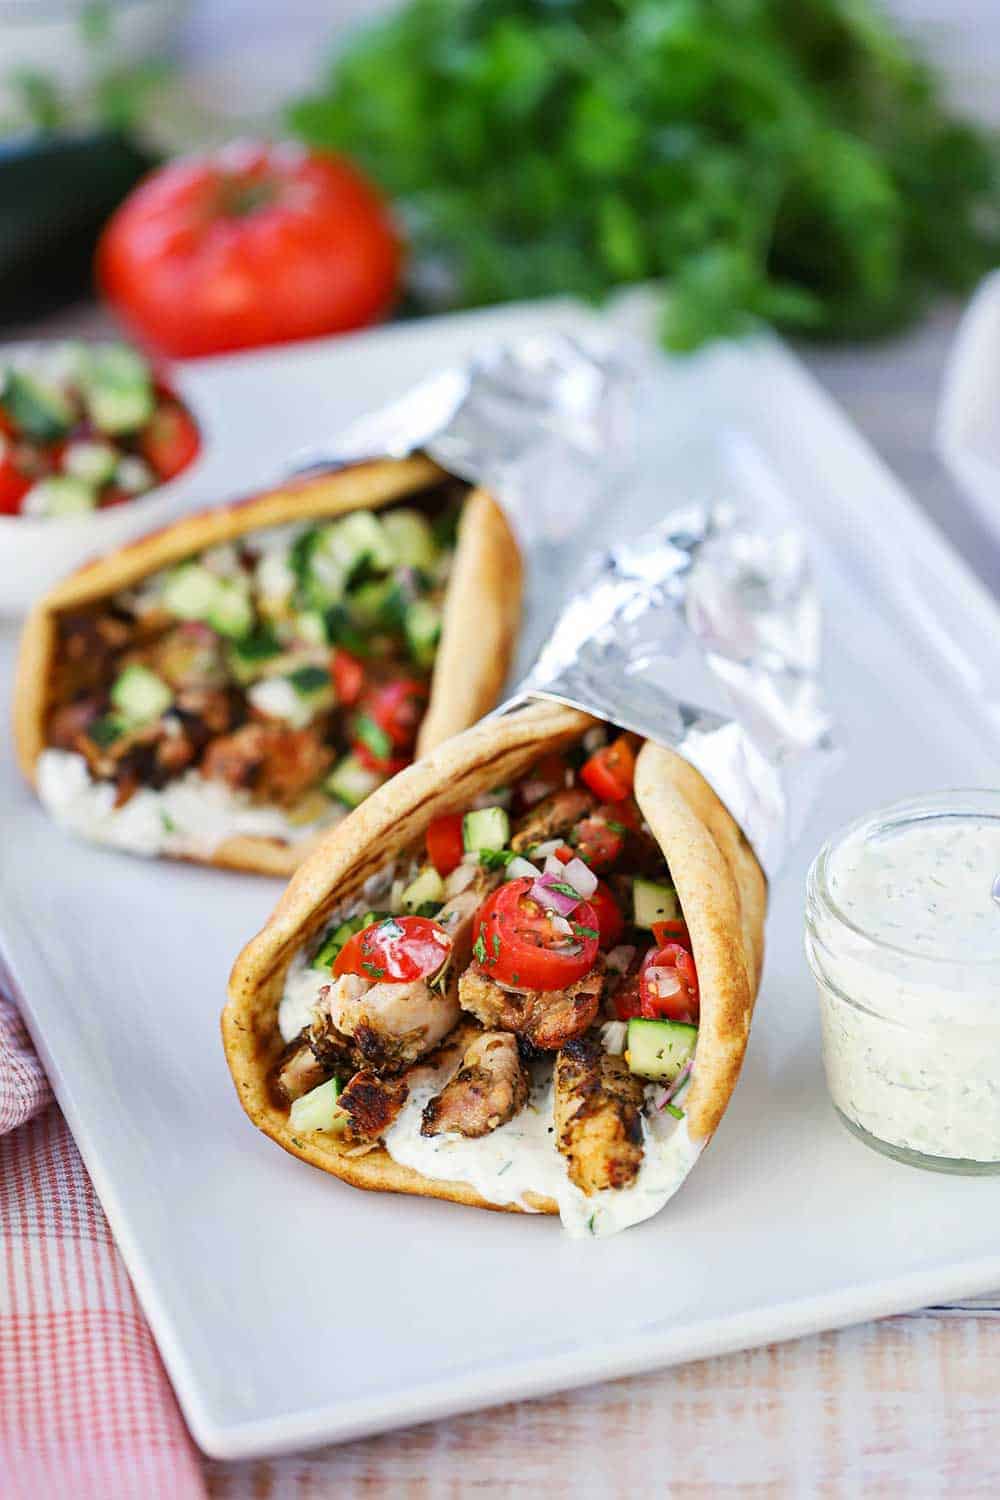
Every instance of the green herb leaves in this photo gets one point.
(785, 160)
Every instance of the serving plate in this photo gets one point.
(291, 1309)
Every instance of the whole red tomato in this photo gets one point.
(252, 244)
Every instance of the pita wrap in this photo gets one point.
(720, 885)
(470, 664)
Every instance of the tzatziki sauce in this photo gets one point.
(191, 816)
(903, 936)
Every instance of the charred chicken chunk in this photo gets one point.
(371, 1104)
(274, 764)
(553, 817)
(296, 1071)
(490, 1088)
(383, 1026)
(597, 1116)
(545, 1018)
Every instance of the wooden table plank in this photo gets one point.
(901, 1408)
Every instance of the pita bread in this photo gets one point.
(471, 663)
(721, 888)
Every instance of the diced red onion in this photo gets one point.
(542, 851)
(461, 876)
(554, 867)
(560, 925)
(663, 982)
(677, 1085)
(542, 892)
(521, 869)
(580, 877)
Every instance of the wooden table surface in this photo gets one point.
(905, 1407)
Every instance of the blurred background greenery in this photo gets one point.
(788, 160)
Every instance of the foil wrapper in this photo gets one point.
(704, 634)
(544, 423)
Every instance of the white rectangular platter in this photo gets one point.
(291, 1309)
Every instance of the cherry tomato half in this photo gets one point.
(396, 950)
(610, 921)
(516, 940)
(13, 485)
(250, 244)
(445, 844)
(170, 440)
(611, 771)
(348, 676)
(398, 707)
(668, 984)
(598, 844)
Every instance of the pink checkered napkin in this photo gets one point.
(86, 1411)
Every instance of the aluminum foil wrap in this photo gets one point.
(702, 633)
(544, 423)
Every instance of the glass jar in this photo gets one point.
(903, 939)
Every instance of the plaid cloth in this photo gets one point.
(86, 1410)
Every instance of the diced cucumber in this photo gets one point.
(37, 407)
(652, 902)
(140, 696)
(658, 1050)
(356, 541)
(487, 828)
(118, 390)
(318, 1110)
(275, 577)
(191, 592)
(379, 602)
(423, 631)
(310, 627)
(59, 495)
(94, 463)
(105, 730)
(336, 939)
(231, 612)
(351, 782)
(427, 887)
(341, 630)
(409, 534)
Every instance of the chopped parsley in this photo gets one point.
(496, 946)
(479, 949)
(581, 931)
(616, 827)
(261, 643)
(496, 859)
(105, 730)
(342, 631)
(309, 679)
(373, 736)
(672, 1109)
(372, 969)
(565, 889)
(169, 826)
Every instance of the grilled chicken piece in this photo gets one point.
(275, 764)
(385, 1027)
(597, 1116)
(371, 1104)
(296, 1071)
(490, 1088)
(189, 656)
(72, 720)
(546, 1018)
(553, 817)
(456, 915)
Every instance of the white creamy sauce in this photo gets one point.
(190, 815)
(911, 1031)
(521, 1158)
(303, 987)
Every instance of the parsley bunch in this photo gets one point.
(786, 160)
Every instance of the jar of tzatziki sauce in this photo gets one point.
(903, 938)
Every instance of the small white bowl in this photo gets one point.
(36, 552)
(968, 422)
